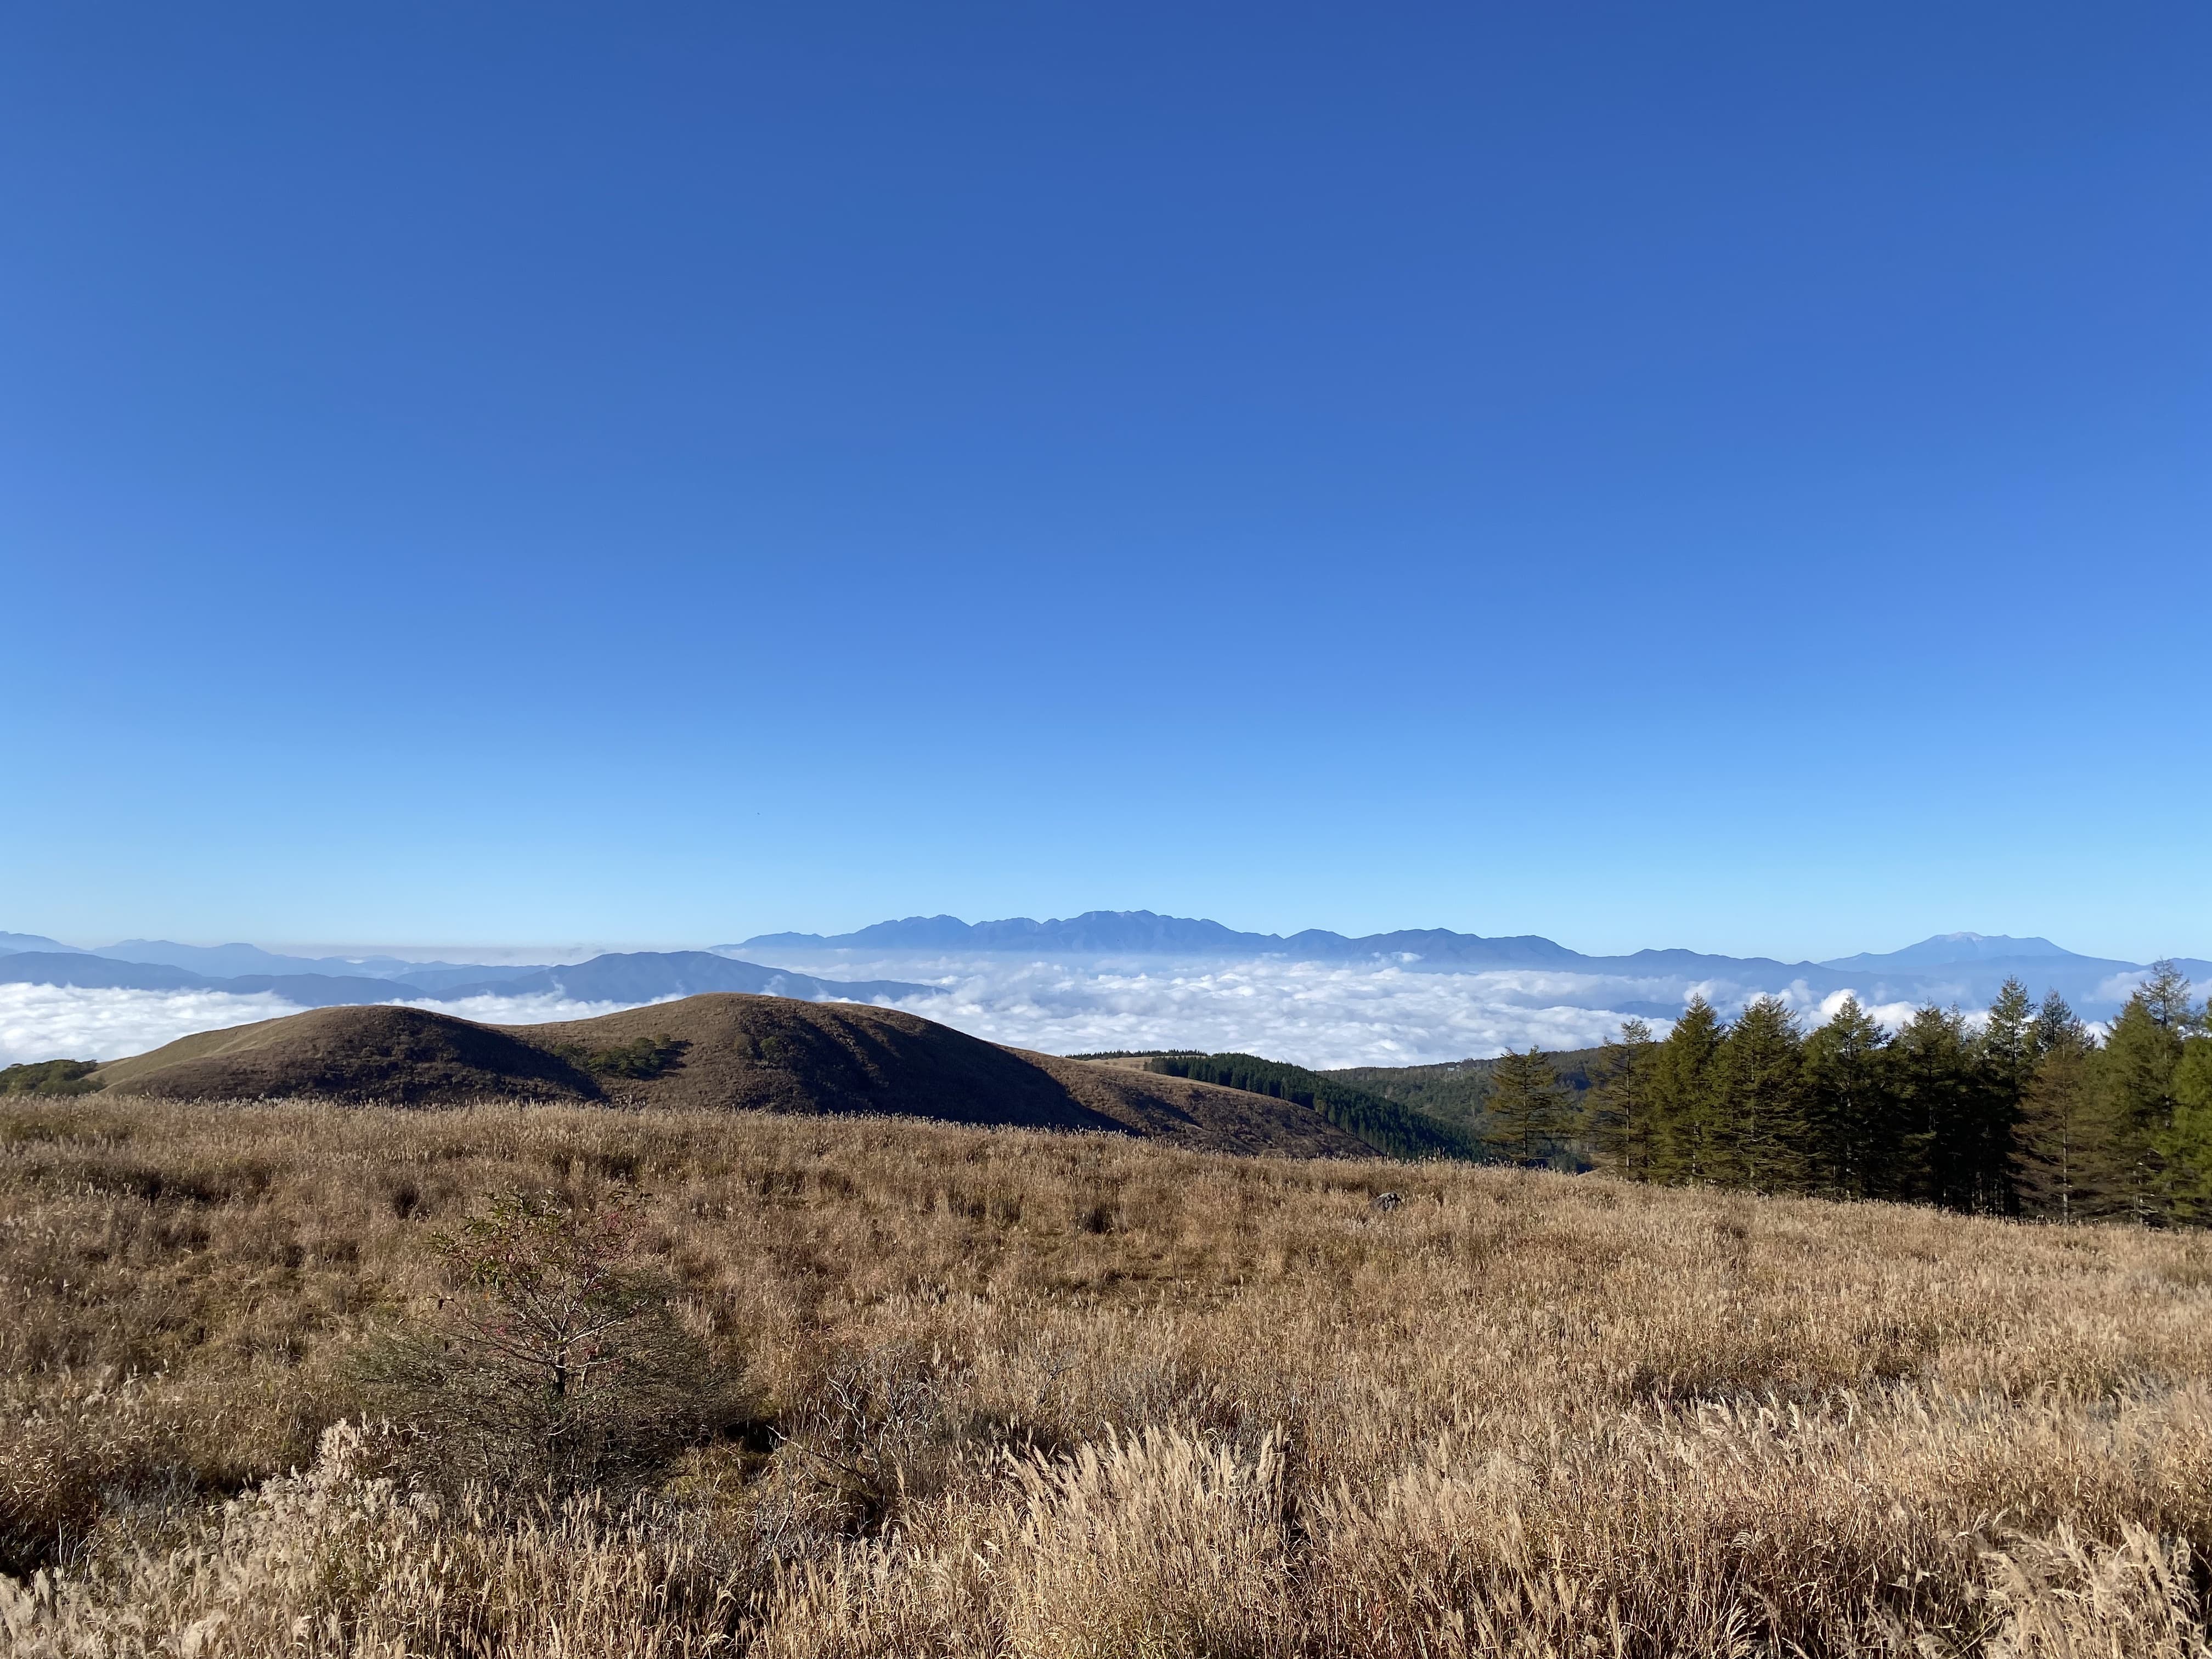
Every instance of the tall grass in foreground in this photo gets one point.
(1061, 1396)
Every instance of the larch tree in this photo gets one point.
(2004, 1063)
(2135, 1076)
(1682, 1089)
(1850, 1115)
(1618, 1119)
(2192, 1117)
(1931, 1073)
(1759, 1113)
(2059, 1167)
(1529, 1112)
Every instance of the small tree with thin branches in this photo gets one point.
(555, 1356)
(1527, 1108)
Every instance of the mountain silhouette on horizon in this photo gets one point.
(1962, 968)
(632, 977)
(1146, 932)
(1947, 948)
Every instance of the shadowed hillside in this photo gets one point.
(722, 1051)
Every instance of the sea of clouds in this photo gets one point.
(50, 1022)
(58, 1021)
(1318, 1014)
(1311, 1013)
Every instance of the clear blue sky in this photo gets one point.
(1725, 476)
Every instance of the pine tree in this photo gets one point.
(2192, 1118)
(2165, 997)
(1528, 1111)
(1618, 1117)
(1759, 1114)
(1931, 1076)
(2057, 1026)
(2059, 1168)
(2135, 1074)
(1850, 1115)
(2008, 1043)
(2136, 1078)
(1682, 1095)
(2004, 1057)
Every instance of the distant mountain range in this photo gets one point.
(1963, 967)
(223, 960)
(17, 942)
(632, 977)
(647, 975)
(231, 960)
(1141, 933)
(85, 970)
(1947, 948)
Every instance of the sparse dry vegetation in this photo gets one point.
(997, 1392)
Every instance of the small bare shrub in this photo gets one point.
(556, 1358)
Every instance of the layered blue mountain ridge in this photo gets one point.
(618, 977)
(1963, 967)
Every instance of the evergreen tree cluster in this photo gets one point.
(2028, 1113)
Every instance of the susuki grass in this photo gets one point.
(998, 1393)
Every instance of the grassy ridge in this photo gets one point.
(715, 1050)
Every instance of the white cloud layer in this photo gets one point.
(1326, 1015)
(49, 1022)
(1311, 1013)
(525, 1010)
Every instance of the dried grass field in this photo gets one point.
(975, 1391)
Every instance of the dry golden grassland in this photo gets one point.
(1013, 1393)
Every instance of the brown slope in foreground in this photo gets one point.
(769, 1053)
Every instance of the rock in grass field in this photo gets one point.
(951, 1389)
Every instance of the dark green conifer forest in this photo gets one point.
(2025, 1114)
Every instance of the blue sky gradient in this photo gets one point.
(1729, 476)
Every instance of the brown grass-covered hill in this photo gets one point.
(719, 1051)
(354, 1053)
